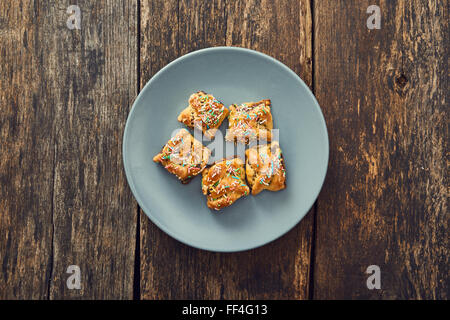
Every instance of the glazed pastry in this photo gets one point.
(204, 112)
(265, 168)
(183, 156)
(250, 121)
(224, 182)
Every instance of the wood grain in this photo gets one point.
(94, 212)
(27, 138)
(64, 101)
(384, 202)
(65, 96)
(170, 269)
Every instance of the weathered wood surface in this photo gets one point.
(94, 211)
(64, 98)
(64, 197)
(384, 201)
(170, 269)
(27, 139)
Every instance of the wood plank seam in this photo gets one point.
(137, 250)
(313, 236)
(52, 247)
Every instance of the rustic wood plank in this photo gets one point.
(282, 29)
(26, 151)
(170, 269)
(94, 81)
(384, 202)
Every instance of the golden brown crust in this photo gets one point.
(204, 112)
(224, 182)
(250, 121)
(183, 156)
(265, 168)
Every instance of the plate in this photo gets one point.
(232, 75)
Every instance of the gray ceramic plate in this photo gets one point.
(232, 75)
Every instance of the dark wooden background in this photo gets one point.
(65, 96)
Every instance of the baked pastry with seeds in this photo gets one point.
(250, 121)
(224, 182)
(183, 156)
(265, 168)
(204, 112)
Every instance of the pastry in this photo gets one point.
(204, 112)
(183, 156)
(224, 182)
(265, 168)
(250, 121)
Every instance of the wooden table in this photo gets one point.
(65, 94)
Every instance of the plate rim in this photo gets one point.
(128, 175)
